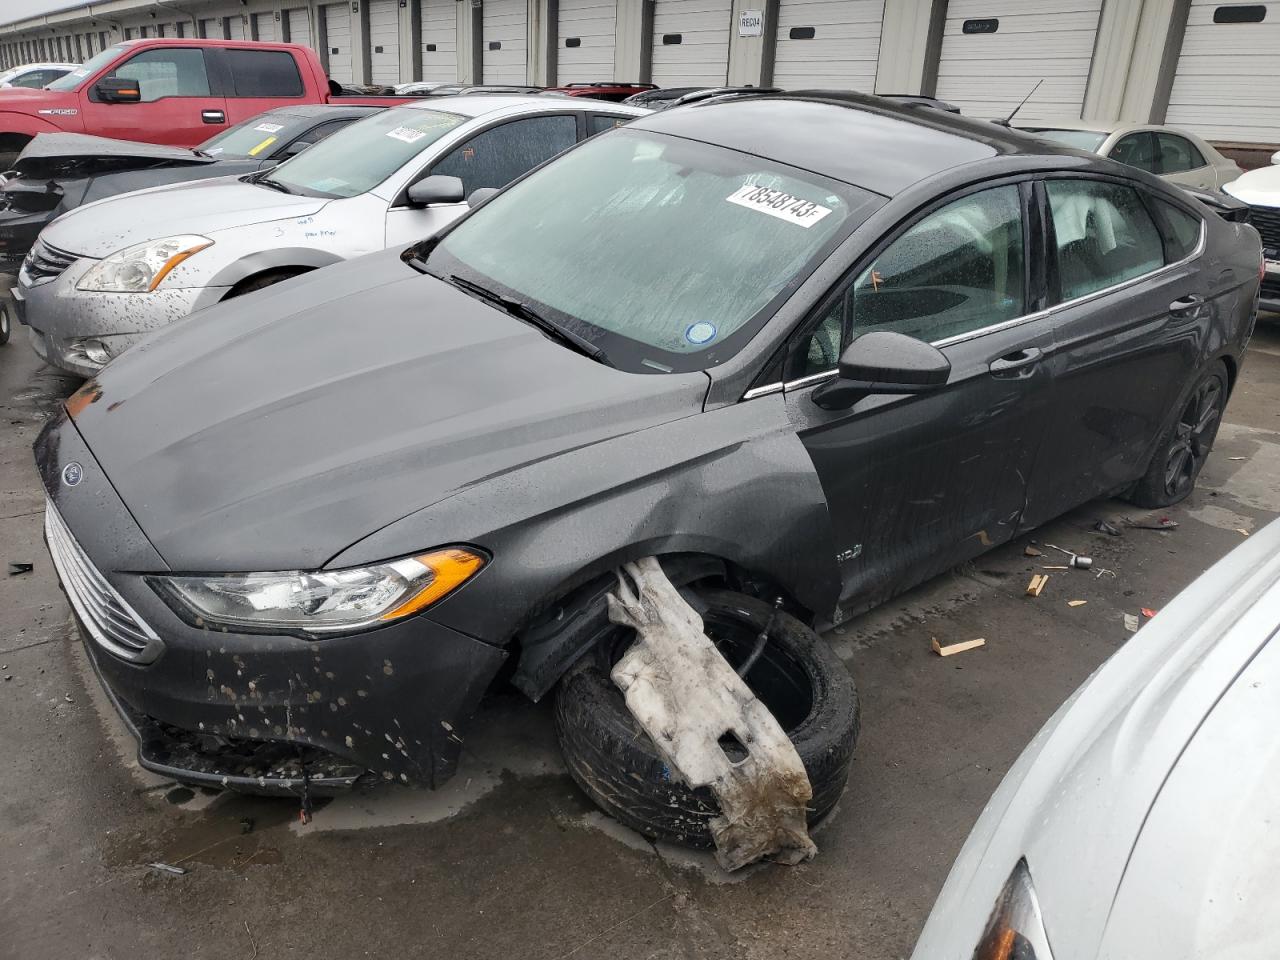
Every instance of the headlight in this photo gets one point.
(322, 601)
(139, 269)
(1016, 928)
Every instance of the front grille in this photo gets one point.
(105, 614)
(1267, 220)
(46, 263)
(1271, 287)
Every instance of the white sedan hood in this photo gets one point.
(100, 229)
(1260, 187)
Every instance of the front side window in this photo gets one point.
(264, 73)
(1103, 235)
(1137, 150)
(358, 158)
(667, 253)
(957, 270)
(1177, 154)
(166, 72)
(496, 157)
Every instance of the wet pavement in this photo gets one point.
(510, 860)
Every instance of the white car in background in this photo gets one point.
(1139, 824)
(35, 75)
(1260, 189)
(1178, 156)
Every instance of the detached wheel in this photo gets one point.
(6, 320)
(798, 677)
(1185, 445)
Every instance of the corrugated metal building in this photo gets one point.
(1209, 66)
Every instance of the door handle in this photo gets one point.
(213, 116)
(1016, 361)
(1184, 305)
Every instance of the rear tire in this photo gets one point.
(6, 320)
(1185, 444)
(798, 677)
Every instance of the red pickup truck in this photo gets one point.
(178, 92)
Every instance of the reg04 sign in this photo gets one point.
(751, 23)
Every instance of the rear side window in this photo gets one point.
(167, 72)
(599, 123)
(264, 73)
(1177, 154)
(1181, 231)
(1103, 235)
(497, 156)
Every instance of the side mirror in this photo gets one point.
(883, 362)
(118, 90)
(480, 195)
(1275, 158)
(436, 188)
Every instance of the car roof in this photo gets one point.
(478, 105)
(869, 141)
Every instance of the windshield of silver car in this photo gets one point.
(668, 254)
(359, 157)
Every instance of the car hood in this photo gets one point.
(63, 156)
(274, 431)
(1076, 802)
(1260, 187)
(99, 229)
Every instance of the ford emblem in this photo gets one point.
(72, 474)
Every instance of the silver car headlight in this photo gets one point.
(142, 267)
(1016, 928)
(320, 601)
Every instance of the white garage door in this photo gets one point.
(337, 25)
(586, 38)
(505, 27)
(264, 25)
(299, 27)
(828, 43)
(211, 29)
(439, 40)
(235, 27)
(994, 52)
(384, 42)
(1227, 85)
(691, 42)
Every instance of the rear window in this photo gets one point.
(1080, 139)
(260, 137)
(264, 73)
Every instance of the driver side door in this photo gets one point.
(179, 106)
(492, 158)
(916, 484)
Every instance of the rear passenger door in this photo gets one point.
(257, 80)
(492, 158)
(1128, 302)
(1179, 160)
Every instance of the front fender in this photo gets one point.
(734, 483)
(26, 125)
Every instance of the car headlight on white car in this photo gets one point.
(1016, 928)
(142, 267)
(321, 601)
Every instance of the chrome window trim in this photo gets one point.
(814, 378)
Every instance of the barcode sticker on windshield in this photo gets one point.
(776, 203)
(407, 134)
(269, 127)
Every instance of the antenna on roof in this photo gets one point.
(1007, 120)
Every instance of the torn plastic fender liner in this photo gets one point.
(734, 483)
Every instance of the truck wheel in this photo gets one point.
(798, 677)
(6, 321)
(1185, 445)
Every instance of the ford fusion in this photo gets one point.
(307, 529)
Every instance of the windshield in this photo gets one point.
(1089, 140)
(358, 158)
(91, 66)
(258, 137)
(666, 253)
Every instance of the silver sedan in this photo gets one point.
(1139, 822)
(105, 275)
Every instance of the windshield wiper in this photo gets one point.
(522, 311)
(273, 184)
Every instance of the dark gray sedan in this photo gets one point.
(808, 347)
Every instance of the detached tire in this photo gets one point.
(798, 676)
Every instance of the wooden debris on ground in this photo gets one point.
(1036, 586)
(954, 648)
(1076, 603)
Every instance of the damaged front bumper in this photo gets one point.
(255, 712)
